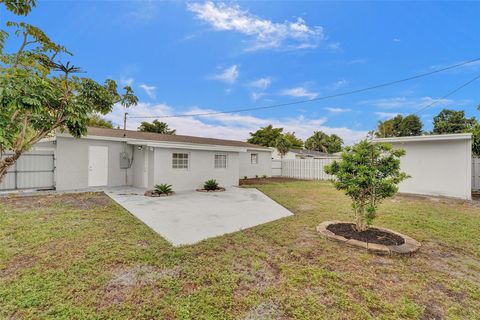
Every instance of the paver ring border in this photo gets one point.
(410, 246)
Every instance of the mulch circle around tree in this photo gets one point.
(220, 189)
(154, 194)
(375, 239)
(372, 235)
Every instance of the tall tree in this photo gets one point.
(157, 127)
(334, 144)
(97, 121)
(399, 126)
(319, 141)
(39, 95)
(411, 125)
(297, 143)
(266, 136)
(283, 145)
(452, 121)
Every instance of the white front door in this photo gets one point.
(97, 166)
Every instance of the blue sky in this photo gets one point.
(199, 56)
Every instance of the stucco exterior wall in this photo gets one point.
(263, 167)
(201, 168)
(72, 163)
(439, 168)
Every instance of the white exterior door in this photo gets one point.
(97, 166)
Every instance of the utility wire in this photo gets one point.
(345, 93)
(448, 94)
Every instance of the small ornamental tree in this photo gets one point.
(368, 173)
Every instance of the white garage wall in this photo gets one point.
(201, 168)
(263, 167)
(439, 165)
(72, 163)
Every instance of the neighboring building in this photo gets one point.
(302, 154)
(438, 165)
(114, 157)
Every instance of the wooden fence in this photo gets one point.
(308, 169)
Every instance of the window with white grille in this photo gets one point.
(180, 160)
(254, 158)
(220, 161)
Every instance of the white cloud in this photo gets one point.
(356, 61)
(229, 75)
(256, 95)
(229, 126)
(396, 40)
(299, 92)
(261, 83)
(149, 90)
(387, 115)
(263, 32)
(338, 110)
(124, 81)
(404, 102)
(338, 84)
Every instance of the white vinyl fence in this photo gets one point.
(476, 174)
(307, 169)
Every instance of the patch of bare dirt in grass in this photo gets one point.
(265, 311)
(443, 259)
(307, 238)
(259, 181)
(126, 280)
(83, 201)
(17, 264)
(259, 276)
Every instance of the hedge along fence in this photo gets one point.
(306, 169)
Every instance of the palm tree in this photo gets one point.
(283, 145)
(319, 141)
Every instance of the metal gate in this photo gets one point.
(33, 170)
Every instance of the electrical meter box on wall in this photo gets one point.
(125, 161)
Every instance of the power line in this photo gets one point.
(448, 94)
(345, 93)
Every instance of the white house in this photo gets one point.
(114, 157)
(439, 165)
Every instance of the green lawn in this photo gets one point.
(83, 257)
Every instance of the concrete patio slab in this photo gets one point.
(189, 217)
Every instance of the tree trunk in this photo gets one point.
(6, 163)
(360, 217)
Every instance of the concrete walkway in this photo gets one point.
(189, 217)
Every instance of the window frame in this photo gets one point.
(215, 160)
(187, 158)
(253, 155)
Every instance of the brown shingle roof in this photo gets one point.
(119, 133)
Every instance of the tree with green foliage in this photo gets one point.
(322, 142)
(266, 136)
(157, 127)
(39, 95)
(475, 131)
(452, 121)
(97, 121)
(334, 144)
(283, 145)
(400, 126)
(297, 143)
(368, 172)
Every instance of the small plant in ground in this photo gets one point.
(163, 188)
(368, 172)
(264, 176)
(245, 177)
(256, 176)
(210, 185)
